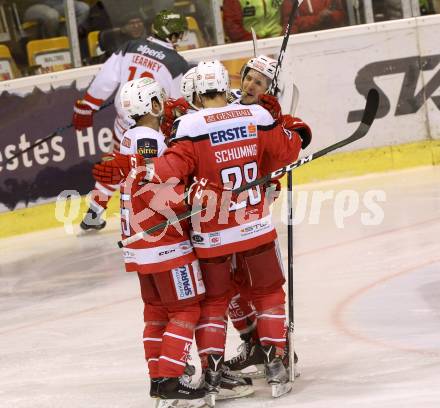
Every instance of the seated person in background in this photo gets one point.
(314, 15)
(48, 13)
(240, 16)
(132, 27)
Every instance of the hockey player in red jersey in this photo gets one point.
(154, 57)
(227, 145)
(256, 77)
(169, 273)
(146, 141)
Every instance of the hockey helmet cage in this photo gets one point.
(137, 96)
(187, 85)
(263, 64)
(168, 22)
(210, 77)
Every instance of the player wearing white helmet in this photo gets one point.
(152, 57)
(256, 77)
(227, 144)
(187, 89)
(168, 271)
(143, 101)
(175, 108)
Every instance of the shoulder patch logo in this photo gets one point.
(147, 148)
(126, 142)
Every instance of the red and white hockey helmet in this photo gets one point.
(187, 85)
(137, 96)
(263, 64)
(210, 77)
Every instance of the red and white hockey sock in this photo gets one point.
(211, 328)
(101, 195)
(242, 315)
(271, 319)
(156, 320)
(177, 341)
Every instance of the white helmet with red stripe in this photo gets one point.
(187, 86)
(263, 64)
(211, 77)
(137, 97)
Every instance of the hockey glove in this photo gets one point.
(297, 125)
(82, 115)
(112, 169)
(271, 104)
(273, 189)
(173, 108)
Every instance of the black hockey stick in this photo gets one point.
(363, 128)
(274, 84)
(51, 135)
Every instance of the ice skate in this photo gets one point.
(277, 375)
(92, 222)
(251, 356)
(233, 386)
(154, 387)
(178, 392)
(212, 377)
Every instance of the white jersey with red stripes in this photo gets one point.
(149, 57)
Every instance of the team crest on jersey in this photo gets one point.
(183, 282)
(252, 130)
(126, 142)
(147, 148)
(233, 134)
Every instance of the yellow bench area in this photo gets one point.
(49, 54)
(8, 68)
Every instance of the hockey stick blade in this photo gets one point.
(367, 119)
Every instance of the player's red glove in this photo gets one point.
(271, 104)
(112, 169)
(173, 108)
(296, 124)
(82, 115)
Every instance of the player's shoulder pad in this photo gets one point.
(264, 118)
(189, 127)
(146, 141)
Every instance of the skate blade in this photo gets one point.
(279, 390)
(87, 233)
(238, 392)
(197, 403)
(254, 374)
(210, 399)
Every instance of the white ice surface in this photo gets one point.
(367, 310)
